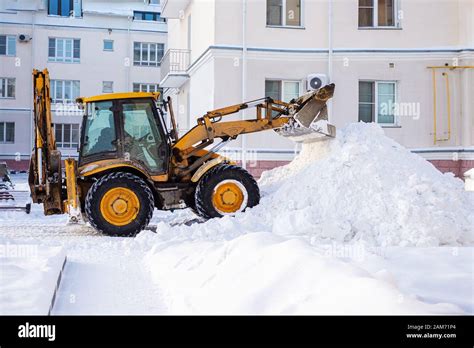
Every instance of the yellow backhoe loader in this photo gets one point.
(129, 163)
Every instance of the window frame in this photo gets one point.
(5, 90)
(53, 86)
(283, 17)
(63, 60)
(156, 16)
(106, 49)
(8, 40)
(160, 127)
(283, 82)
(282, 88)
(140, 89)
(396, 120)
(111, 84)
(141, 61)
(375, 17)
(71, 12)
(60, 142)
(3, 129)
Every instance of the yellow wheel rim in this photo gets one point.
(229, 197)
(119, 206)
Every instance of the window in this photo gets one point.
(66, 135)
(108, 45)
(149, 87)
(62, 8)
(7, 45)
(7, 88)
(7, 132)
(142, 138)
(107, 86)
(64, 91)
(153, 2)
(282, 90)
(65, 8)
(99, 131)
(284, 13)
(376, 13)
(146, 87)
(148, 16)
(147, 54)
(377, 102)
(64, 50)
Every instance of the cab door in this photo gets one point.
(144, 140)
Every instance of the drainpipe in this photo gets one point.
(244, 76)
(467, 78)
(330, 52)
(129, 49)
(33, 55)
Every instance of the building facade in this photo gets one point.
(407, 65)
(90, 47)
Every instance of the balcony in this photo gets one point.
(174, 68)
(173, 8)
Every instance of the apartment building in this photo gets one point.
(89, 47)
(404, 64)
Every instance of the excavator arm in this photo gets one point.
(45, 174)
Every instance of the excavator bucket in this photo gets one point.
(11, 199)
(310, 120)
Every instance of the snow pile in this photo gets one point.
(262, 273)
(360, 187)
(365, 186)
(28, 278)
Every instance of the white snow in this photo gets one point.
(262, 273)
(28, 278)
(368, 187)
(356, 225)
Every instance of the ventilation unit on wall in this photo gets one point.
(316, 81)
(24, 38)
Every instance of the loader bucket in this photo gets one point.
(310, 122)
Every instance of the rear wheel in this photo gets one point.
(119, 204)
(225, 190)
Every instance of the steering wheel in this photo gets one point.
(143, 138)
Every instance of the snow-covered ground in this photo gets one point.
(29, 275)
(357, 225)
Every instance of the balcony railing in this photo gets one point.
(174, 66)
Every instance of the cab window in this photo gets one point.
(143, 141)
(100, 134)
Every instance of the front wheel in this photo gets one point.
(119, 204)
(225, 190)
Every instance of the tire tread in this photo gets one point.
(114, 177)
(201, 205)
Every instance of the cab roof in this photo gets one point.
(115, 96)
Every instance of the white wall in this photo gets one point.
(429, 33)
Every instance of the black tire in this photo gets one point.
(222, 172)
(119, 180)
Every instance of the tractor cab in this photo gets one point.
(128, 127)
